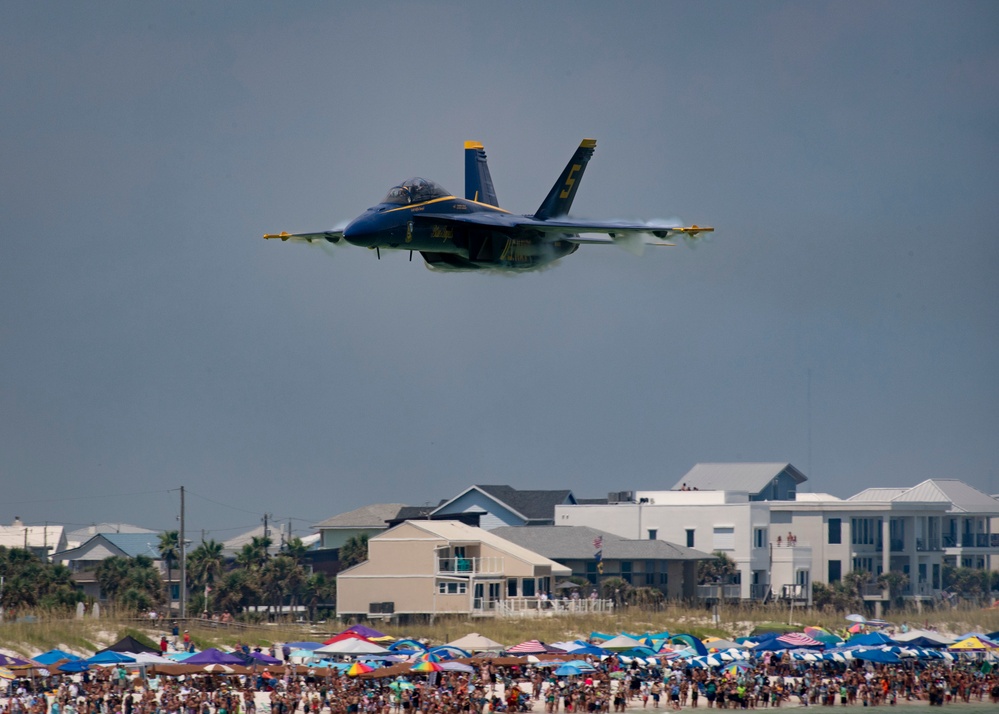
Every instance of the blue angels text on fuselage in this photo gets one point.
(473, 232)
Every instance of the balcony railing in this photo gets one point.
(717, 591)
(470, 566)
(924, 544)
(972, 540)
(759, 591)
(793, 544)
(872, 590)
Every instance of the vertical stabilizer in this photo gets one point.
(559, 199)
(478, 182)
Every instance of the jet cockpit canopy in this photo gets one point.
(415, 190)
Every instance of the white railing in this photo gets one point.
(534, 607)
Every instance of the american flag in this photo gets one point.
(598, 542)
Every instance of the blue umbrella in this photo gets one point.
(567, 670)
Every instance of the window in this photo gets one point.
(724, 538)
(650, 578)
(626, 570)
(835, 531)
(759, 537)
(452, 588)
(865, 531)
(835, 570)
(690, 537)
(664, 578)
(511, 587)
(527, 585)
(653, 533)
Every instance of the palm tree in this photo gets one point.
(169, 547)
(296, 549)
(320, 590)
(717, 570)
(205, 563)
(354, 551)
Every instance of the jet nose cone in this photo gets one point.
(360, 231)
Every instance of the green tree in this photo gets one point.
(354, 551)
(205, 564)
(169, 547)
(237, 590)
(855, 581)
(615, 589)
(647, 598)
(894, 582)
(320, 592)
(720, 569)
(296, 550)
(130, 584)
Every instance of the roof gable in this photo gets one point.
(751, 477)
(962, 497)
(536, 506)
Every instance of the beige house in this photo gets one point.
(443, 567)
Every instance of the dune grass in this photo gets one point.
(85, 636)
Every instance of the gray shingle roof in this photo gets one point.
(372, 516)
(533, 505)
(736, 477)
(576, 543)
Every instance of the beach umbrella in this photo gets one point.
(973, 644)
(457, 667)
(399, 685)
(529, 647)
(7, 674)
(303, 645)
(359, 668)
(567, 670)
(856, 618)
(794, 640)
(736, 668)
(621, 643)
(689, 641)
(426, 666)
(218, 669)
(9, 661)
(859, 627)
(449, 652)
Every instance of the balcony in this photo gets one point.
(470, 566)
(927, 544)
(872, 591)
(759, 591)
(718, 591)
(972, 540)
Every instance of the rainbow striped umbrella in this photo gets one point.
(359, 668)
(426, 667)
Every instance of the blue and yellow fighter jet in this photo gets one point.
(474, 233)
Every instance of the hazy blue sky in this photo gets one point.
(846, 152)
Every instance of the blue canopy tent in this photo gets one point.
(879, 656)
(871, 639)
(53, 656)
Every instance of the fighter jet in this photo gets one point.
(474, 233)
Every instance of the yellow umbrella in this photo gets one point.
(6, 673)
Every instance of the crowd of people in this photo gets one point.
(612, 686)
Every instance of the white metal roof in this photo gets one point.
(736, 476)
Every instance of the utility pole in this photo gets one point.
(183, 560)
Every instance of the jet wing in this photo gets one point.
(331, 236)
(570, 229)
